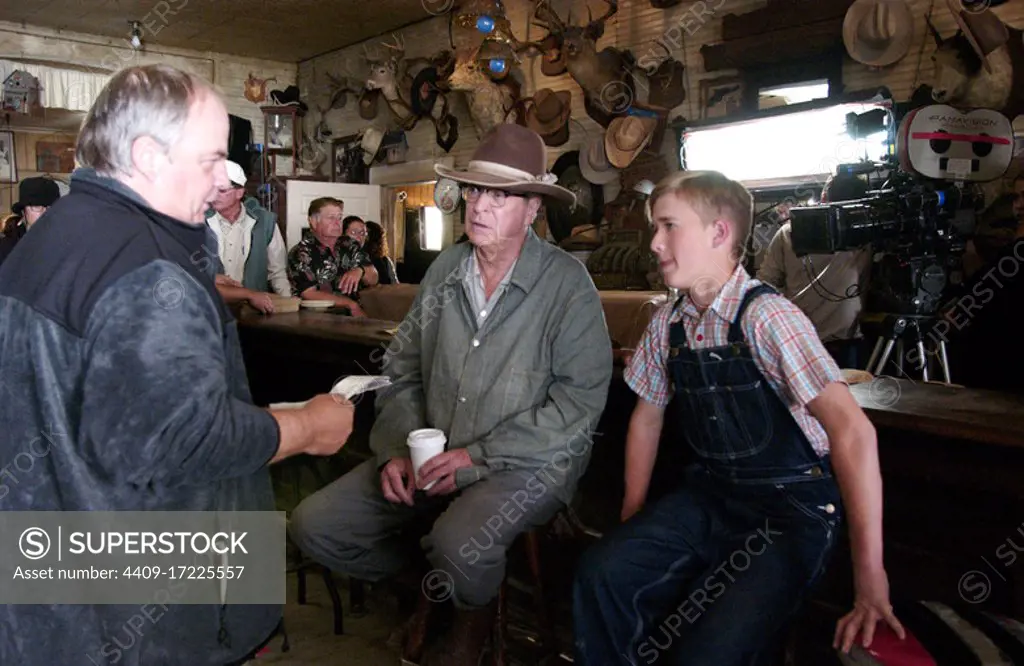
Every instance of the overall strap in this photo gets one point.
(736, 327)
(676, 331)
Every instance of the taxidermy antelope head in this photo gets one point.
(594, 71)
(489, 101)
(961, 79)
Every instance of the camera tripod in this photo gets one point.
(896, 329)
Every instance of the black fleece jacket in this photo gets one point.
(114, 341)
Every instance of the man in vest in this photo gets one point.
(249, 245)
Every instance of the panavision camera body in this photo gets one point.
(918, 221)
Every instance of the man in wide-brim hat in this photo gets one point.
(35, 195)
(506, 351)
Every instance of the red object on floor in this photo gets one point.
(887, 648)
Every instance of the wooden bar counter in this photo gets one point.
(952, 459)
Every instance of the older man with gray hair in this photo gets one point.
(506, 352)
(116, 338)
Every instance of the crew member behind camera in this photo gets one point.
(118, 350)
(821, 284)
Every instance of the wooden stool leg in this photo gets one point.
(357, 597)
(300, 573)
(500, 627)
(339, 612)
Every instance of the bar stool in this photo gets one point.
(357, 593)
(412, 651)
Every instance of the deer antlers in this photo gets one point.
(398, 47)
(546, 17)
(595, 28)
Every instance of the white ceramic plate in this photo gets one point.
(317, 305)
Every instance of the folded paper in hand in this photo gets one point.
(347, 388)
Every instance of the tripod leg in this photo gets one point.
(899, 356)
(921, 355)
(875, 353)
(945, 362)
(885, 356)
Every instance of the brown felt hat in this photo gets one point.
(510, 157)
(549, 115)
(984, 30)
(553, 62)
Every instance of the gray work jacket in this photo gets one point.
(524, 391)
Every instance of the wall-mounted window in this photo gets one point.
(431, 229)
(786, 149)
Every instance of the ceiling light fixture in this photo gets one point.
(136, 35)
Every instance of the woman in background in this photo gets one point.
(377, 247)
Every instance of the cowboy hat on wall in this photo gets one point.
(594, 162)
(878, 33)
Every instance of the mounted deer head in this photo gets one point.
(604, 74)
(384, 71)
(577, 40)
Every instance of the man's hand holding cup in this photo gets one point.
(437, 475)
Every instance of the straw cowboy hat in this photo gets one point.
(984, 30)
(594, 162)
(627, 137)
(878, 32)
(513, 158)
(370, 143)
(549, 115)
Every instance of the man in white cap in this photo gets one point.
(249, 245)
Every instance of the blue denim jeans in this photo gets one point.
(710, 574)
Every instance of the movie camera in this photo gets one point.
(918, 215)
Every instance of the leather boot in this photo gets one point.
(414, 633)
(465, 642)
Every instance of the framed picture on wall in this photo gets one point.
(55, 156)
(720, 97)
(347, 165)
(8, 167)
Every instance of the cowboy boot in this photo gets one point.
(414, 632)
(465, 642)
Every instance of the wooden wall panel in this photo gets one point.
(228, 72)
(637, 26)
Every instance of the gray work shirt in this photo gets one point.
(523, 391)
(475, 291)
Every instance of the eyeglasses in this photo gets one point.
(498, 197)
(361, 233)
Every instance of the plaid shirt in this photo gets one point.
(784, 344)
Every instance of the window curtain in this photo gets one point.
(61, 88)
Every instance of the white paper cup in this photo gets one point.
(424, 444)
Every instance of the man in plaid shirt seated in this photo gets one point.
(713, 572)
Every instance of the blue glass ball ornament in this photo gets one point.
(498, 65)
(485, 24)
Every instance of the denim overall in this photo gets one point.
(712, 572)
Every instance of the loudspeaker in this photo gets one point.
(240, 142)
